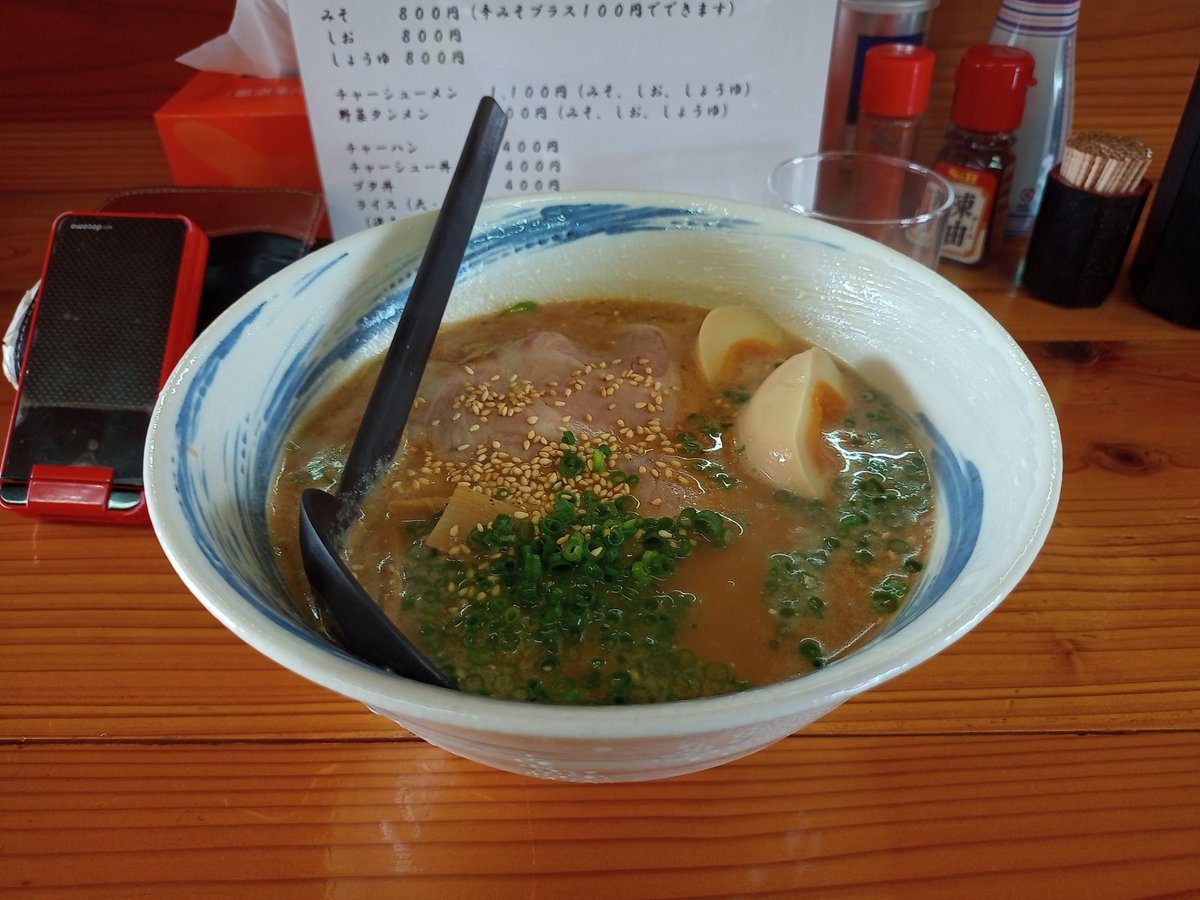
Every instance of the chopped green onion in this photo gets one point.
(571, 464)
(889, 593)
(574, 548)
(810, 648)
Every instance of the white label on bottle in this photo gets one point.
(967, 226)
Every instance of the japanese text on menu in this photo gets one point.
(702, 97)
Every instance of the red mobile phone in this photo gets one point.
(115, 311)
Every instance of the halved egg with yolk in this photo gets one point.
(782, 425)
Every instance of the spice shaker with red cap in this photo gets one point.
(894, 95)
(990, 85)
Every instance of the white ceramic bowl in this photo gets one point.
(988, 425)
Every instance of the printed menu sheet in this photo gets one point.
(703, 97)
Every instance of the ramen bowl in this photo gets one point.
(978, 407)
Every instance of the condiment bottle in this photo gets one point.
(894, 96)
(1046, 28)
(858, 26)
(989, 100)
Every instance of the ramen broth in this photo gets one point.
(636, 556)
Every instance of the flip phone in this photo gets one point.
(115, 311)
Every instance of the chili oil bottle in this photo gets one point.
(990, 85)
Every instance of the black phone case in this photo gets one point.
(252, 232)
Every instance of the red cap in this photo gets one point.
(990, 86)
(896, 80)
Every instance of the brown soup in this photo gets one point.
(632, 555)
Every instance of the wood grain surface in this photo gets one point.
(965, 816)
(146, 752)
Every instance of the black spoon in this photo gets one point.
(362, 626)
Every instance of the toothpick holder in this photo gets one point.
(1079, 242)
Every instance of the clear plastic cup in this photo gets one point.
(890, 200)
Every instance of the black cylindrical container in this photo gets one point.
(1079, 242)
(1165, 273)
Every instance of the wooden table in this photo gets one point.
(1053, 752)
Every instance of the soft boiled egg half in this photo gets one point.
(781, 427)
